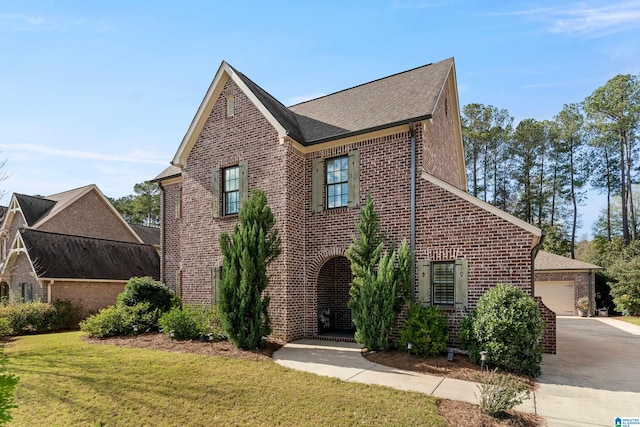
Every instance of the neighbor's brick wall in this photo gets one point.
(21, 272)
(439, 153)
(17, 222)
(89, 216)
(549, 317)
(91, 296)
(581, 283)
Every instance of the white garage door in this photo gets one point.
(558, 296)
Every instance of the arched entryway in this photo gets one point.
(334, 281)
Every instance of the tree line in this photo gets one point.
(540, 171)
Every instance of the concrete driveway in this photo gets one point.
(595, 375)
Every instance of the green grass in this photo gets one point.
(630, 319)
(65, 381)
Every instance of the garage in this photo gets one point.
(558, 296)
(560, 281)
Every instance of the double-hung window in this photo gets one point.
(337, 180)
(443, 283)
(231, 190)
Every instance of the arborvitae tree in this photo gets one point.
(364, 251)
(379, 290)
(247, 253)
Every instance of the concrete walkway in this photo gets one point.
(559, 404)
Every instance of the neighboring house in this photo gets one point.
(70, 246)
(560, 281)
(397, 138)
(149, 235)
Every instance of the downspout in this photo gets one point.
(592, 284)
(412, 214)
(534, 253)
(162, 233)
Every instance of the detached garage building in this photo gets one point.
(560, 281)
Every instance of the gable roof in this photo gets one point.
(384, 103)
(34, 208)
(62, 256)
(546, 261)
(149, 235)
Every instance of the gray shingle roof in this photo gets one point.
(549, 261)
(34, 208)
(169, 172)
(65, 256)
(149, 235)
(378, 104)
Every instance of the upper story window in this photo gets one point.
(337, 180)
(231, 190)
(443, 283)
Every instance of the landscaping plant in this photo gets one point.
(426, 329)
(141, 304)
(499, 393)
(507, 324)
(379, 289)
(247, 253)
(192, 321)
(31, 317)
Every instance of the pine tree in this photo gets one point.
(247, 253)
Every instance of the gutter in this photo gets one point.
(534, 253)
(412, 214)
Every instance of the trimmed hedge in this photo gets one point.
(426, 330)
(192, 322)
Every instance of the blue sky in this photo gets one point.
(102, 92)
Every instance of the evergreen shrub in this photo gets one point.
(426, 329)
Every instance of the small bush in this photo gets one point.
(499, 393)
(192, 322)
(68, 315)
(508, 325)
(29, 317)
(426, 330)
(5, 327)
(108, 322)
(147, 290)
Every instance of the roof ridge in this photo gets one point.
(35, 230)
(369, 82)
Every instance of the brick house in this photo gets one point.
(398, 138)
(70, 246)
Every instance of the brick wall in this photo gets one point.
(91, 296)
(549, 317)
(89, 216)
(170, 234)
(439, 146)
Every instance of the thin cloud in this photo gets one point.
(25, 23)
(580, 19)
(135, 156)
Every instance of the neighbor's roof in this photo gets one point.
(149, 235)
(34, 208)
(546, 261)
(65, 256)
(170, 172)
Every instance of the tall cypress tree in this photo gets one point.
(247, 253)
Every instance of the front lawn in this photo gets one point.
(630, 319)
(65, 381)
